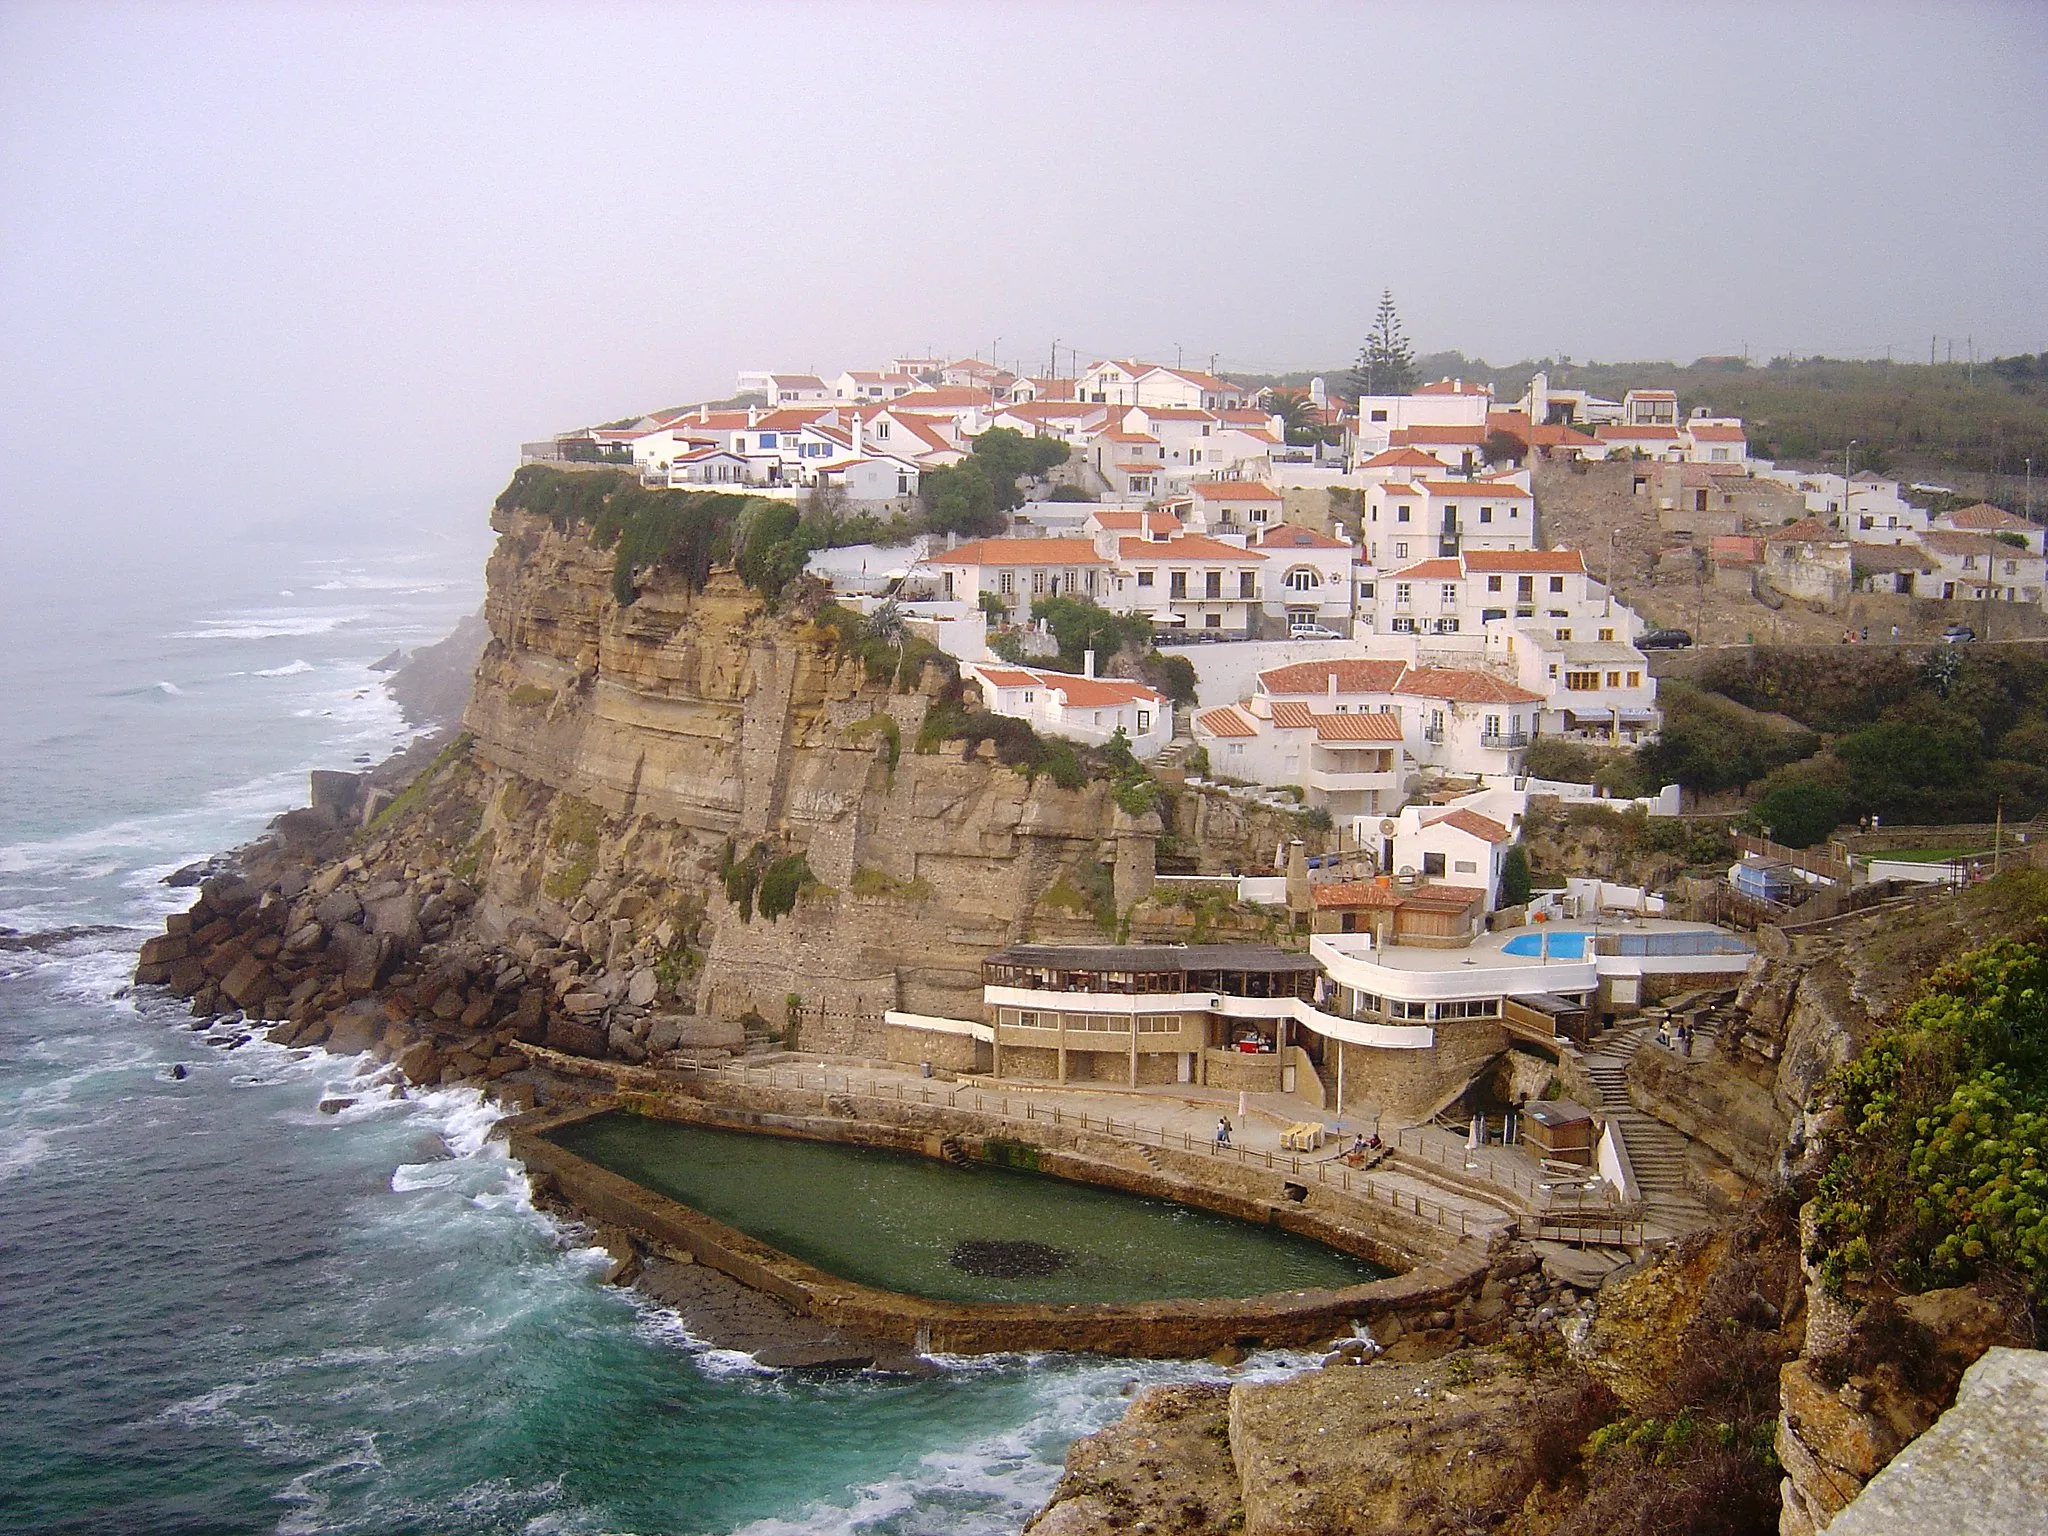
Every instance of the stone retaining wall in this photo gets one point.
(1173, 1328)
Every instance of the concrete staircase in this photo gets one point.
(1655, 1150)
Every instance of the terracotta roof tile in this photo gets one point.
(1019, 552)
(1443, 568)
(1355, 893)
(1373, 725)
(1226, 722)
(1461, 686)
(1234, 490)
(1184, 546)
(1286, 536)
(1354, 674)
(1484, 561)
(1476, 824)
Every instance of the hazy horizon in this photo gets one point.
(265, 263)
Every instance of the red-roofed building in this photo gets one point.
(1720, 442)
(1087, 708)
(1190, 582)
(1416, 519)
(1650, 442)
(1649, 408)
(1449, 414)
(1017, 570)
(1309, 580)
(1985, 518)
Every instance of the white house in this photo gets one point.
(1409, 520)
(1650, 442)
(1188, 581)
(1231, 506)
(880, 478)
(1717, 442)
(780, 389)
(701, 467)
(1649, 408)
(1131, 463)
(1087, 708)
(1591, 687)
(1309, 580)
(1351, 764)
(862, 385)
(1446, 404)
(1188, 389)
(1455, 846)
(1018, 570)
(1975, 567)
(1984, 518)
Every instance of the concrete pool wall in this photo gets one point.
(1441, 1268)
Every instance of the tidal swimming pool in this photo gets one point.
(911, 1224)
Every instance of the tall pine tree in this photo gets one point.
(1386, 365)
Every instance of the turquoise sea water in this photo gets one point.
(221, 1311)
(895, 1220)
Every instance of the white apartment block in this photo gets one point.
(1086, 708)
(1449, 405)
(1408, 520)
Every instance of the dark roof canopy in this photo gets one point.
(1153, 957)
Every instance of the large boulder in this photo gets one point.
(338, 907)
(395, 916)
(355, 1029)
(576, 1039)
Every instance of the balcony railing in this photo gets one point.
(1504, 740)
(1434, 733)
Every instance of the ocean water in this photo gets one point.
(223, 1311)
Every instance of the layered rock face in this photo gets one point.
(702, 728)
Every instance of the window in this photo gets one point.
(1404, 626)
(1464, 866)
(903, 483)
(1302, 578)
(1027, 696)
(1037, 583)
(1493, 725)
(1403, 590)
(1606, 634)
(1158, 1023)
(1247, 584)
(1448, 594)
(1476, 1008)
(1400, 550)
(1212, 621)
(1495, 613)
(1493, 583)
(881, 429)
(1401, 514)
(767, 439)
(1365, 588)
(1447, 626)
(1557, 583)
(1177, 584)
(1486, 514)
(1144, 578)
(1635, 679)
(1379, 415)
(1006, 583)
(1525, 589)
(1144, 720)
(1614, 679)
(1582, 682)
(1564, 634)
(1401, 1010)
(1212, 583)
(1433, 864)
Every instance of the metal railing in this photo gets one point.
(1504, 739)
(1330, 1172)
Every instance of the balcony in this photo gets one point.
(1503, 741)
(1433, 734)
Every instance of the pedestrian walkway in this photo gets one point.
(1655, 1151)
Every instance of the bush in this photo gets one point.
(1710, 743)
(1567, 762)
(781, 884)
(1939, 1174)
(1800, 813)
(1080, 626)
(1514, 877)
(1071, 493)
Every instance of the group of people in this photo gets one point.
(1675, 1036)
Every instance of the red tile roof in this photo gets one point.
(1461, 686)
(1560, 561)
(1456, 436)
(1454, 387)
(1087, 692)
(951, 394)
(1371, 725)
(1401, 458)
(1286, 536)
(1614, 431)
(1226, 722)
(1498, 490)
(1476, 824)
(1008, 677)
(1808, 530)
(1987, 518)
(1355, 893)
(1020, 552)
(1946, 542)
(1710, 432)
(1441, 569)
(1184, 546)
(1293, 715)
(1357, 674)
(1235, 490)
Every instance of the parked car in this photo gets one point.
(1664, 640)
(1312, 632)
(1958, 634)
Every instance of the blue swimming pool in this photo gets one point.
(1563, 946)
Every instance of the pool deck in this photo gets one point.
(1490, 949)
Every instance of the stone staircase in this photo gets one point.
(1177, 750)
(1151, 1158)
(1655, 1150)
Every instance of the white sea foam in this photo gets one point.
(171, 688)
(291, 670)
(279, 624)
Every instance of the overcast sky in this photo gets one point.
(262, 260)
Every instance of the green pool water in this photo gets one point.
(897, 1221)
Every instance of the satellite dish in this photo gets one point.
(1407, 871)
(1388, 826)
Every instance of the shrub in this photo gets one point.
(1567, 762)
(1514, 877)
(781, 884)
(1710, 743)
(1800, 813)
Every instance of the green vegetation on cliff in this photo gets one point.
(1938, 1169)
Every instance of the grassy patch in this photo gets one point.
(869, 881)
(887, 727)
(414, 794)
(532, 696)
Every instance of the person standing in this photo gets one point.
(1222, 1131)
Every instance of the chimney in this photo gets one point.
(857, 425)
(1333, 682)
(1087, 663)
(753, 415)
(703, 414)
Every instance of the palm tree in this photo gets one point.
(1296, 411)
(889, 624)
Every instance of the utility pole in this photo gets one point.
(1053, 371)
